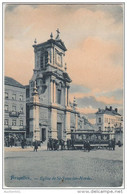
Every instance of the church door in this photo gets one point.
(59, 131)
(43, 134)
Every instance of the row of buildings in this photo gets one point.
(41, 110)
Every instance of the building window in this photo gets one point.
(99, 120)
(21, 97)
(59, 96)
(21, 122)
(21, 109)
(27, 92)
(32, 84)
(14, 96)
(6, 108)
(13, 108)
(6, 121)
(99, 128)
(13, 122)
(6, 95)
(43, 59)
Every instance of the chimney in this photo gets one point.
(116, 109)
(110, 108)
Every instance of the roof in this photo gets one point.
(61, 44)
(108, 112)
(12, 82)
(58, 43)
(26, 86)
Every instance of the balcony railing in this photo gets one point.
(17, 127)
(14, 114)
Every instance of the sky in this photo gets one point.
(94, 37)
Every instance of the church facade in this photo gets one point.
(49, 113)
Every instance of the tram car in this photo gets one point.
(96, 139)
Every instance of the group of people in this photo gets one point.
(86, 145)
(112, 144)
(23, 143)
(55, 144)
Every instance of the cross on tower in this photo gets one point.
(58, 32)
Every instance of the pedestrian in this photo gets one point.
(85, 145)
(68, 144)
(89, 148)
(48, 145)
(113, 144)
(62, 144)
(51, 144)
(12, 141)
(22, 144)
(57, 145)
(35, 145)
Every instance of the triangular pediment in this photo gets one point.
(61, 44)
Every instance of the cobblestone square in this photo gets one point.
(73, 168)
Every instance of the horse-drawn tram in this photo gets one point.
(90, 139)
(84, 139)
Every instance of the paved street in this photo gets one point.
(25, 168)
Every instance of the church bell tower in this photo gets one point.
(52, 83)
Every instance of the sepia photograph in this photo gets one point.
(63, 95)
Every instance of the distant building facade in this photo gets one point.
(49, 114)
(109, 120)
(14, 111)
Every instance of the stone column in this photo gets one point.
(34, 115)
(76, 121)
(51, 56)
(62, 96)
(67, 125)
(54, 92)
(65, 96)
(36, 129)
(44, 61)
(52, 95)
(54, 123)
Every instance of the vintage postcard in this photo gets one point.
(63, 96)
